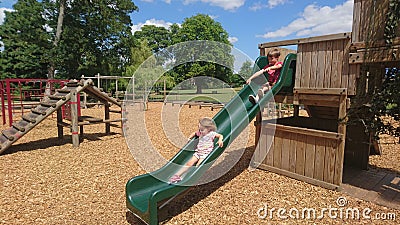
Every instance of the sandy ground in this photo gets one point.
(47, 181)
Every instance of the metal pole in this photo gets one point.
(9, 105)
(3, 104)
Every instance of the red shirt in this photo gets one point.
(273, 75)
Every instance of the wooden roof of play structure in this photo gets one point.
(50, 105)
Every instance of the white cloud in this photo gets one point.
(3, 15)
(232, 40)
(155, 22)
(273, 3)
(257, 6)
(225, 4)
(317, 20)
(167, 1)
(270, 4)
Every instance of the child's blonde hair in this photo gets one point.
(208, 123)
(274, 53)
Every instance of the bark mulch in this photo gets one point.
(47, 181)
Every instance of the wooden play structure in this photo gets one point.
(54, 103)
(331, 74)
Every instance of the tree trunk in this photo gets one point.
(52, 67)
(199, 85)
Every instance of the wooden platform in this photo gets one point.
(375, 185)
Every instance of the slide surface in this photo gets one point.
(144, 193)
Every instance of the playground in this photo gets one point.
(312, 162)
(47, 181)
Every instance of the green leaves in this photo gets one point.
(392, 21)
(386, 103)
(95, 38)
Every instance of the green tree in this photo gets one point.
(96, 37)
(139, 54)
(200, 60)
(158, 38)
(25, 41)
(92, 37)
(246, 69)
(386, 103)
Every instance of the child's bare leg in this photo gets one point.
(189, 163)
(199, 162)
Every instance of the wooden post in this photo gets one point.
(296, 110)
(341, 130)
(165, 89)
(60, 130)
(107, 116)
(74, 118)
(258, 123)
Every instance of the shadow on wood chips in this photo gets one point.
(53, 141)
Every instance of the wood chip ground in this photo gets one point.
(45, 180)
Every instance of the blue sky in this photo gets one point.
(248, 23)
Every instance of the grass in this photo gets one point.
(221, 95)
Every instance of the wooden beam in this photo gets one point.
(378, 55)
(373, 44)
(60, 131)
(329, 37)
(320, 91)
(305, 131)
(74, 118)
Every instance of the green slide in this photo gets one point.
(146, 193)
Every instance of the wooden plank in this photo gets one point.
(300, 153)
(319, 158)
(353, 75)
(74, 118)
(345, 67)
(340, 153)
(336, 64)
(285, 150)
(258, 151)
(270, 148)
(299, 64)
(261, 151)
(317, 97)
(306, 66)
(300, 41)
(356, 20)
(278, 149)
(364, 19)
(310, 157)
(300, 177)
(321, 64)
(328, 65)
(373, 44)
(356, 58)
(341, 57)
(321, 91)
(314, 65)
(292, 152)
(319, 103)
(330, 158)
(304, 131)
